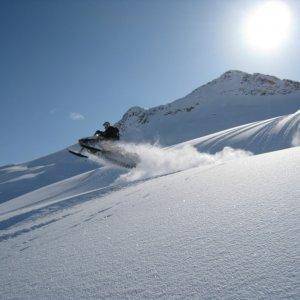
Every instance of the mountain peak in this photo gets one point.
(233, 73)
(238, 83)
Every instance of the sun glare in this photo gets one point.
(268, 26)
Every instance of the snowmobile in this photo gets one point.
(108, 150)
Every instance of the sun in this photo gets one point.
(268, 26)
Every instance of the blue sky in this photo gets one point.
(67, 66)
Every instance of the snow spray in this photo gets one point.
(157, 161)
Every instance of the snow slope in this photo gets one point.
(233, 99)
(35, 181)
(226, 230)
(16, 180)
(258, 137)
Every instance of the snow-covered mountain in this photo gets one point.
(201, 218)
(233, 99)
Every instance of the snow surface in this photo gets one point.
(225, 230)
(258, 137)
(40, 172)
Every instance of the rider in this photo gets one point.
(110, 133)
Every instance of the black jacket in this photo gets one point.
(111, 133)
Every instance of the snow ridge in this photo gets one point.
(258, 137)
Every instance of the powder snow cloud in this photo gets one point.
(157, 161)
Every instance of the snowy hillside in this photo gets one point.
(224, 230)
(258, 137)
(25, 181)
(19, 179)
(233, 99)
(201, 218)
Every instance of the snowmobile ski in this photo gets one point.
(93, 149)
(77, 153)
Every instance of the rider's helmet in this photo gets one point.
(106, 124)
